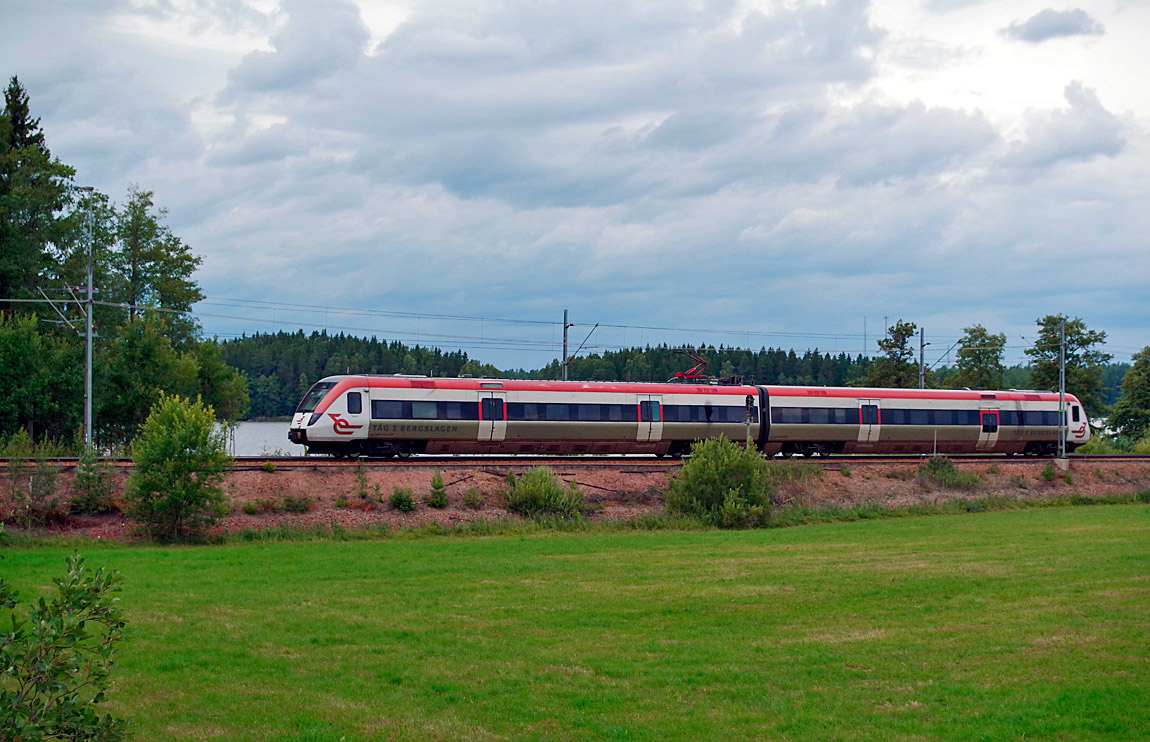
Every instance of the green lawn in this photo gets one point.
(1010, 625)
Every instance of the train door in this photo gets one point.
(988, 433)
(492, 416)
(869, 421)
(650, 417)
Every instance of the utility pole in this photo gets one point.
(864, 338)
(90, 302)
(1062, 391)
(921, 358)
(565, 326)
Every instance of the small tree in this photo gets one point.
(180, 460)
(54, 666)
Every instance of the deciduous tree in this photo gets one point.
(979, 359)
(1084, 360)
(894, 367)
(1131, 414)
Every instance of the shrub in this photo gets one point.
(180, 460)
(92, 486)
(725, 484)
(296, 503)
(341, 502)
(940, 470)
(845, 470)
(540, 493)
(1018, 480)
(268, 466)
(1068, 478)
(251, 508)
(56, 664)
(438, 496)
(473, 499)
(1048, 473)
(402, 500)
(31, 498)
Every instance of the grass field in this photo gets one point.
(1010, 625)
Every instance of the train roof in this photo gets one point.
(1009, 395)
(484, 384)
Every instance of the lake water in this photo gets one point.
(263, 439)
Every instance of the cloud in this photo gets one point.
(1052, 24)
(316, 41)
(1084, 131)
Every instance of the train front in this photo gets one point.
(333, 417)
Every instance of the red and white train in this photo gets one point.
(402, 415)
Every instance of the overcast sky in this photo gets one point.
(747, 173)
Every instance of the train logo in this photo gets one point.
(341, 426)
(1079, 431)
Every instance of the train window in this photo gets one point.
(819, 415)
(787, 415)
(1074, 413)
(314, 396)
(558, 412)
(989, 422)
(354, 403)
(589, 412)
(492, 408)
(649, 412)
(386, 409)
(868, 414)
(458, 411)
(425, 410)
(918, 417)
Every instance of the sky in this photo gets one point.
(758, 174)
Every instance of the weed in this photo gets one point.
(473, 500)
(269, 467)
(845, 470)
(940, 470)
(297, 503)
(539, 492)
(1048, 473)
(1018, 480)
(1068, 478)
(992, 469)
(402, 500)
(340, 502)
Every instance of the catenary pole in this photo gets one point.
(565, 326)
(1062, 391)
(90, 304)
(921, 358)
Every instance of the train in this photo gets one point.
(396, 415)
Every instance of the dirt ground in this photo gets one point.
(620, 495)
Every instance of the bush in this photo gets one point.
(540, 493)
(402, 500)
(180, 460)
(341, 502)
(1048, 473)
(56, 664)
(940, 470)
(92, 486)
(30, 498)
(726, 484)
(438, 496)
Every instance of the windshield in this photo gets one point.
(314, 395)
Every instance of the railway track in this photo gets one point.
(623, 463)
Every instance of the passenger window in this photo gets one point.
(649, 412)
(424, 410)
(354, 403)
